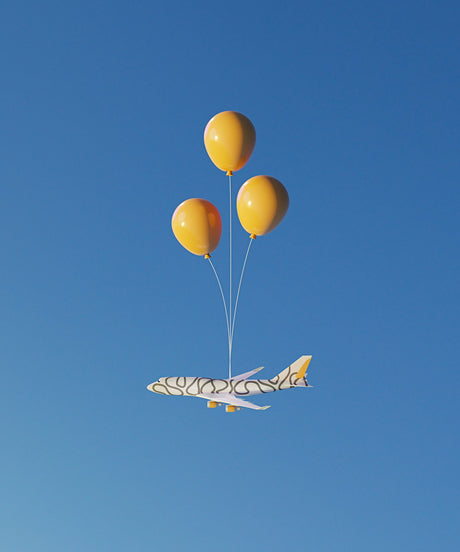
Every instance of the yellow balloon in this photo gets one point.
(262, 203)
(229, 139)
(197, 225)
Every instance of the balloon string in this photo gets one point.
(223, 300)
(238, 293)
(230, 336)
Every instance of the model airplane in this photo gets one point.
(230, 391)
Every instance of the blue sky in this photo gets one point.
(103, 107)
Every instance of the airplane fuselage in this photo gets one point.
(196, 386)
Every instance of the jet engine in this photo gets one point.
(212, 404)
(231, 408)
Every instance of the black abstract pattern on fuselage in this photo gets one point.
(194, 386)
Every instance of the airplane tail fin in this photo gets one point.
(293, 375)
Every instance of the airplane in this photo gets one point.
(230, 391)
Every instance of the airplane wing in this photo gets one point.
(231, 399)
(247, 375)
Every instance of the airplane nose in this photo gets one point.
(156, 387)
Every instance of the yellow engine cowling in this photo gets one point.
(212, 404)
(230, 408)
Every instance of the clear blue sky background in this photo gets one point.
(103, 107)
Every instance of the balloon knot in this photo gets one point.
(229, 173)
(207, 256)
(253, 236)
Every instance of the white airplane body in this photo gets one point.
(230, 391)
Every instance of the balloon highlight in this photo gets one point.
(197, 225)
(229, 139)
(261, 203)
